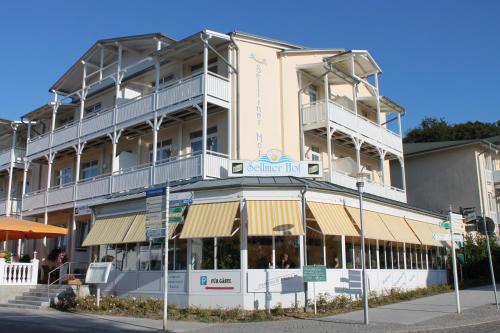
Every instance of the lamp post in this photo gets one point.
(360, 183)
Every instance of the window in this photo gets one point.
(177, 254)
(163, 150)
(260, 252)
(333, 249)
(287, 252)
(82, 230)
(371, 247)
(202, 252)
(313, 95)
(155, 256)
(93, 108)
(382, 255)
(314, 241)
(228, 252)
(315, 155)
(89, 169)
(196, 140)
(64, 176)
(130, 258)
(198, 68)
(409, 258)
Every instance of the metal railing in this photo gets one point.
(64, 273)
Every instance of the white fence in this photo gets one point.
(12, 274)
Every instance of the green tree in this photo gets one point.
(432, 129)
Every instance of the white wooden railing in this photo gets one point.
(179, 168)
(19, 274)
(168, 99)
(314, 115)
(6, 155)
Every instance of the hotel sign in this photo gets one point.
(275, 164)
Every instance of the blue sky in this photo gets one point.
(440, 58)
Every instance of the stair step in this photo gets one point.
(36, 303)
(20, 306)
(32, 298)
(41, 294)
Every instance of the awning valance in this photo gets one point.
(274, 218)
(210, 220)
(399, 229)
(332, 219)
(12, 229)
(424, 232)
(374, 226)
(109, 230)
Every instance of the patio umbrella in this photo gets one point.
(13, 229)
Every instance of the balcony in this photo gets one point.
(496, 178)
(182, 94)
(314, 116)
(6, 157)
(15, 206)
(134, 179)
(378, 189)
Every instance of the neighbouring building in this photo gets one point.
(463, 174)
(267, 136)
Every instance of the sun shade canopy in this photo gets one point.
(399, 229)
(274, 218)
(424, 232)
(210, 220)
(109, 230)
(332, 219)
(12, 229)
(374, 226)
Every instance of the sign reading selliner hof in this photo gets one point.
(274, 164)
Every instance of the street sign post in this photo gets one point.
(314, 273)
(165, 266)
(454, 261)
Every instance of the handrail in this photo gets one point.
(69, 263)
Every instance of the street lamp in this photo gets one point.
(360, 183)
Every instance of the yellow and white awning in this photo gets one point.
(374, 226)
(332, 219)
(109, 230)
(274, 218)
(399, 229)
(210, 220)
(424, 232)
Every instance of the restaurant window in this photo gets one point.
(156, 256)
(130, 257)
(401, 256)
(333, 249)
(420, 258)
(109, 254)
(64, 176)
(143, 257)
(415, 259)
(177, 254)
(120, 250)
(382, 255)
(349, 253)
(89, 169)
(202, 253)
(372, 249)
(260, 252)
(196, 141)
(394, 255)
(228, 252)
(163, 150)
(314, 241)
(287, 252)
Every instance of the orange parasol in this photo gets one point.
(12, 229)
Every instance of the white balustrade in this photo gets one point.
(134, 109)
(3, 207)
(216, 165)
(218, 87)
(91, 188)
(183, 91)
(15, 206)
(97, 122)
(5, 157)
(34, 200)
(131, 179)
(179, 169)
(496, 176)
(61, 195)
(65, 134)
(39, 144)
(18, 273)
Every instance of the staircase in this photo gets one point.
(37, 298)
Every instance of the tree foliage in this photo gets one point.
(432, 129)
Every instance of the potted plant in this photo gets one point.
(4, 254)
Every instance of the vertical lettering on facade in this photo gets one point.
(259, 63)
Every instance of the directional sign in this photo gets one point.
(447, 237)
(314, 273)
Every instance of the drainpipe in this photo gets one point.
(237, 129)
(304, 239)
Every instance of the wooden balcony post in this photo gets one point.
(378, 99)
(329, 131)
(11, 170)
(204, 111)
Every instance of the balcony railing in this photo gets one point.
(381, 190)
(496, 176)
(315, 116)
(169, 99)
(15, 206)
(175, 169)
(6, 156)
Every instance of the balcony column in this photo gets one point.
(354, 88)
(204, 112)
(301, 120)
(378, 98)
(25, 180)
(78, 150)
(115, 137)
(50, 161)
(329, 131)
(400, 128)
(230, 108)
(403, 176)
(11, 170)
(381, 154)
(357, 145)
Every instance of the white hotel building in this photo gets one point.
(134, 113)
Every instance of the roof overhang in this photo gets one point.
(335, 75)
(386, 105)
(364, 64)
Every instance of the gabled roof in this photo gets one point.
(411, 149)
(277, 42)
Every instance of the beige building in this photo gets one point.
(463, 174)
(294, 124)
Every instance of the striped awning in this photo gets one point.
(274, 218)
(374, 226)
(399, 229)
(109, 230)
(425, 230)
(210, 220)
(332, 219)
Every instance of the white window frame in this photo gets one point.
(89, 166)
(196, 138)
(164, 146)
(60, 176)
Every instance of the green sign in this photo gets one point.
(445, 224)
(314, 273)
(461, 258)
